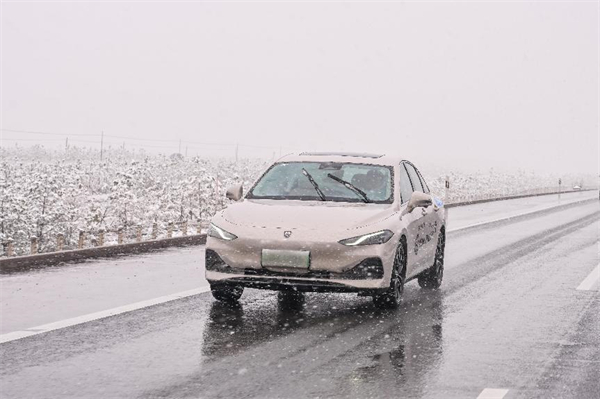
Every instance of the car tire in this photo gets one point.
(227, 293)
(392, 297)
(290, 300)
(432, 278)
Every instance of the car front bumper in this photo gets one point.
(332, 266)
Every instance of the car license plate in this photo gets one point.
(282, 258)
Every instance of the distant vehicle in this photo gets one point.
(329, 222)
(576, 188)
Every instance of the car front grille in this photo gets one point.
(368, 269)
(270, 273)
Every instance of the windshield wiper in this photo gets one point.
(314, 183)
(351, 187)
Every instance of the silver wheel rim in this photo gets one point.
(439, 259)
(398, 264)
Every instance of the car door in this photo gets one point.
(434, 224)
(427, 225)
(411, 221)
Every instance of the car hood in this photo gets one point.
(306, 215)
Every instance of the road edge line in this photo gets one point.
(519, 215)
(15, 335)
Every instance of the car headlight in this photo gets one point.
(378, 237)
(217, 232)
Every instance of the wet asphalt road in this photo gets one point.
(508, 316)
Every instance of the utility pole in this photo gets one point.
(101, 145)
(217, 193)
(66, 144)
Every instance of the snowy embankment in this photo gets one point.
(50, 193)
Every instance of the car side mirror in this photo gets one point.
(235, 192)
(419, 199)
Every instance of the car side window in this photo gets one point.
(405, 185)
(423, 182)
(414, 178)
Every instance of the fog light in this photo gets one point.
(213, 262)
(368, 269)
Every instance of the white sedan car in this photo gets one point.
(329, 222)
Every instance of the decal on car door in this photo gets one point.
(425, 232)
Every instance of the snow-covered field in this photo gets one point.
(47, 192)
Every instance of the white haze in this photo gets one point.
(453, 85)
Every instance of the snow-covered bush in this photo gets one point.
(46, 192)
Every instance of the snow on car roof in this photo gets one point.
(349, 157)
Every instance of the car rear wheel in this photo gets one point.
(432, 278)
(227, 293)
(392, 297)
(290, 300)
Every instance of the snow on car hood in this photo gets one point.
(309, 215)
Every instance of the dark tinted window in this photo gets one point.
(287, 181)
(405, 186)
(414, 178)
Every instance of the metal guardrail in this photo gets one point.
(471, 200)
(26, 262)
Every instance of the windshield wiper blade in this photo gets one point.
(351, 187)
(314, 183)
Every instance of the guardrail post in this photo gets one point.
(154, 231)
(10, 251)
(559, 187)
(60, 241)
(101, 238)
(34, 245)
(81, 239)
(120, 236)
(447, 189)
(139, 234)
(184, 228)
(170, 230)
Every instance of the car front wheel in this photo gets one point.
(226, 293)
(392, 297)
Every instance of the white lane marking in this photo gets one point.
(592, 281)
(502, 219)
(492, 393)
(12, 336)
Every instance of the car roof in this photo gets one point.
(342, 157)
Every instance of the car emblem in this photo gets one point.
(287, 234)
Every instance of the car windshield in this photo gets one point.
(288, 181)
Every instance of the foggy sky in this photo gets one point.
(458, 85)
